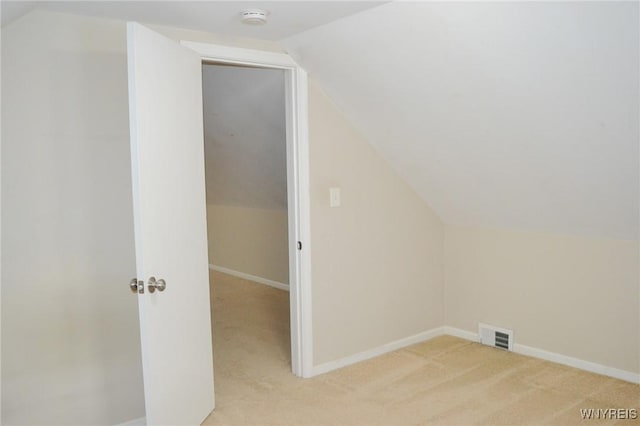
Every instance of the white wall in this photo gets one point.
(519, 115)
(377, 260)
(249, 240)
(569, 295)
(70, 339)
(245, 136)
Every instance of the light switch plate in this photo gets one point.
(334, 197)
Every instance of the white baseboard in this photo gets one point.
(380, 350)
(593, 367)
(142, 421)
(250, 277)
(581, 364)
(469, 335)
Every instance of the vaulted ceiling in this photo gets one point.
(517, 115)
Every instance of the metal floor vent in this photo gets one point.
(497, 337)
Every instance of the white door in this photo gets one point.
(167, 156)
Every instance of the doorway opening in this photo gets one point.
(297, 185)
(245, 150)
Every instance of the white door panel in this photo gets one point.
(167, 154)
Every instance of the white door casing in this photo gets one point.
(167, 156)
(297, 131)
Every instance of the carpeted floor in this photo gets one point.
(445, 381)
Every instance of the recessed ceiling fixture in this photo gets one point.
(254, 16)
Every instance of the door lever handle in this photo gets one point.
(154, 285)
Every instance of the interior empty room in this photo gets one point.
(307, 212)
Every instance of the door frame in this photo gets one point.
(298, 197)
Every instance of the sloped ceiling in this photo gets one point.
(511, 115)
(221, 17)
(245, 136)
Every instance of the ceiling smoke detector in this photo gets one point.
(254, 16)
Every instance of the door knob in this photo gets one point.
(154, 285)
(136, 286)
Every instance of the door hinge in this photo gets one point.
(299, 245)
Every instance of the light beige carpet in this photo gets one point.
(445, 381)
